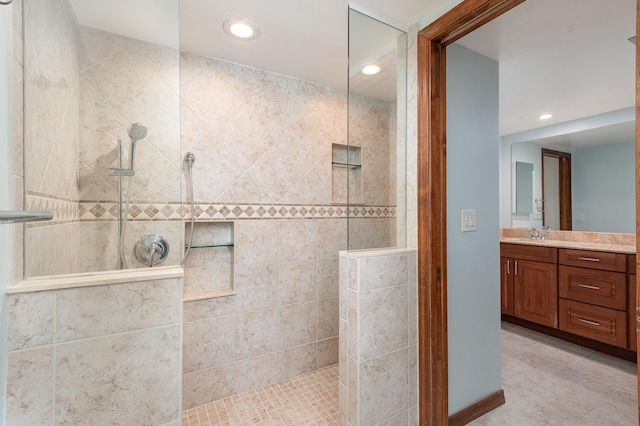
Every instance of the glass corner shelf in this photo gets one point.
(200, 246)
(346, 165)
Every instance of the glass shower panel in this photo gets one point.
(92, 69)
(375, 170)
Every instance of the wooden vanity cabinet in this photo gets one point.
(593, 295)
(506, 286)
(632, 303)
(529, 283)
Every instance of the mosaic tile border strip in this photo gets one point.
(98, 211)
(63, 210)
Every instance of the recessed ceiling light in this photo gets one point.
(371, 69)
(545, 116)
(241, 29)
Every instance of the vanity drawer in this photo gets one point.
(529, 252)
(631, 263)
(593, 259)
(594, 322)
(602, 288)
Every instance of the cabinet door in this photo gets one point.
(631, 313)
(536, 292)
(506, 285)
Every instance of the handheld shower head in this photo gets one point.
(137, 131)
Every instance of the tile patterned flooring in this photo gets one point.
(552, 382)
(307, 399)
(546, 382)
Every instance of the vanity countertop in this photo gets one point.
(580, 245)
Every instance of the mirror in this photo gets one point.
(524, 187)
(602, 178)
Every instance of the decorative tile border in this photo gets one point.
(98, 211)
(64, 210)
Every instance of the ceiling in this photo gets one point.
(570, 58)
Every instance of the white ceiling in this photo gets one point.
(606, 135)
(570, 58)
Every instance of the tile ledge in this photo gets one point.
(192, 297)
(58, 282)
(391, 251)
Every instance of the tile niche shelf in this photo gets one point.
(346, 174)
(208, 271)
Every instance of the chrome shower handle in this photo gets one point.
(151, 249)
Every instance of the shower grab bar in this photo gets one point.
(8, 216)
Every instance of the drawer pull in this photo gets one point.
(591, 287)
(597, 324)
(589, 259)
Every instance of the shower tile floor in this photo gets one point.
(307, 399)
(546, 382)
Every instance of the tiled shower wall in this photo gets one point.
(378, 372)
(107, 354)
(263, 141)
(51, 93)
(16, 161)
(124, 81)
(283, 320)
(260, 139)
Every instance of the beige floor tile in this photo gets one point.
(307, 399)
(546, 382)
(551, 382)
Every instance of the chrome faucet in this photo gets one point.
(535, 233)
(538, 234)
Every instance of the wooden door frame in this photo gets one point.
(432, 199)
(564, 183)
(432, 237)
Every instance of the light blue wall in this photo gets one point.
(5, 258)
(603, 188)
(473, 257)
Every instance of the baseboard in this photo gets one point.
(478, 409)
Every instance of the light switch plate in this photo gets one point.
(468, 220)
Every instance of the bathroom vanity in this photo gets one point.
(578, 291)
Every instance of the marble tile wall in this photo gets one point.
(274, 135)
(378, 337)
(71, 350)
(412, 137)
(50, 81)
(16, 163)
(283, 320)
(262, 144)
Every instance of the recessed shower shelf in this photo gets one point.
(346, 165)
(200, 246)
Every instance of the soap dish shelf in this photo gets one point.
(201, 246)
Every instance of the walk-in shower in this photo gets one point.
(136, 132)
